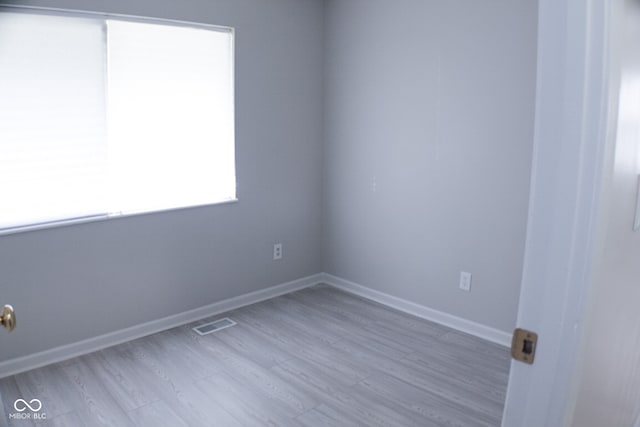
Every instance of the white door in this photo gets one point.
(575, 168)
(606, 383)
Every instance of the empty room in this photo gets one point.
(319, 213)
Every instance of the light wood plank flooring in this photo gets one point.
(317, 357)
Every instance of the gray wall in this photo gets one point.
(432, 100)
(72, 283)
(428, 137)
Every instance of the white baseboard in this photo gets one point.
(458, 323)
(58, 354)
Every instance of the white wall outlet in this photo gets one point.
(465, 281)
(277, 251)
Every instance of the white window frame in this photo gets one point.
(128, 18)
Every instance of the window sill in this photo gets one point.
(101, 217)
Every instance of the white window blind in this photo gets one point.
(104, 117)
(170, 120)
(52, 119)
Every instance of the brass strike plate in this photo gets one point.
(523, 345)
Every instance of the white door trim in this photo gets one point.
(571, 129)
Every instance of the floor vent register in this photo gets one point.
(215, 326)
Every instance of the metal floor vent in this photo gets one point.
(214, 326)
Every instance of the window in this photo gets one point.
(102, 117)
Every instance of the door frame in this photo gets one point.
(574, 126)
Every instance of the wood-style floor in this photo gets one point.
(317, 357)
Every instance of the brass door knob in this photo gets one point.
(8, 318)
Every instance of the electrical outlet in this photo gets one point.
(277, 251)
(465, 281)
